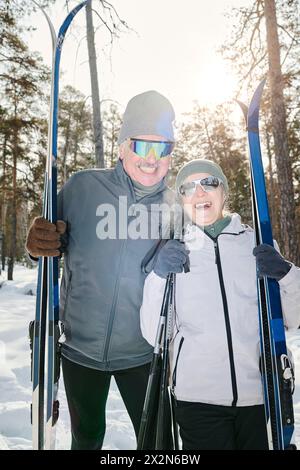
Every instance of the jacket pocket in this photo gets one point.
(174, 375)
(63, 316)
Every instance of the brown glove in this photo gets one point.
(43, 238)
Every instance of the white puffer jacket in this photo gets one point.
(215, 349)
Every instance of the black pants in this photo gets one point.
(87, 391)
(211, 427)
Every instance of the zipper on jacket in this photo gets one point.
(227, 324)
(113, 310)
(175, 368)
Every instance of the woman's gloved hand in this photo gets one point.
(44, 238)
(171, 258)
(270, 263)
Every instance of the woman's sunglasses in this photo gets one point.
(210, 183)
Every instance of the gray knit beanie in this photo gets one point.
(201, 166)
(146, 114)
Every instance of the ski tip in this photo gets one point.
(253, 112)
(50, 24)
(64, 27)
(244, 109)
(81, 5)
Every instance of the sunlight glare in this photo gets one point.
(216, 84)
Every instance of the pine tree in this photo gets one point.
(111, 127)
(75, 150)
(266, 37)
(210, 134)
(20, 76)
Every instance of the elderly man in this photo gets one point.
(102, 285)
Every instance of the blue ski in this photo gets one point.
(276, 369)
(45, 329)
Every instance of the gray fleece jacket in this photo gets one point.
(102, 284)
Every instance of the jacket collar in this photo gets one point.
(126, 181)
(235, 227)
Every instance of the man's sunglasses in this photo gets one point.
(210, 183)
(143, 147)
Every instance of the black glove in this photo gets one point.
(270, 263)
(171, 258)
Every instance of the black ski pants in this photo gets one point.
(87, 392)
(212, 427)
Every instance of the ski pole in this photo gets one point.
(163, 415)
(153, 380)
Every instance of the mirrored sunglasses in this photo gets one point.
(210, 183)
(143, 147)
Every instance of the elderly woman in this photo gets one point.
(215, 372)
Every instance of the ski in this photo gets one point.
(45, 330)
(276, 368)
(37, 328)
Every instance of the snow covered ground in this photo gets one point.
(17, 305)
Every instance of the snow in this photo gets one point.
(17, 306)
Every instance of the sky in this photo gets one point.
(174, 51)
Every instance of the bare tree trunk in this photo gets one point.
(3, 229)
(3, 205)
(1, 233)
(13, 240)
(75, 147)
(3, 252)
(271, 176)
(97, 123)
(112, 146)
(279, 129)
